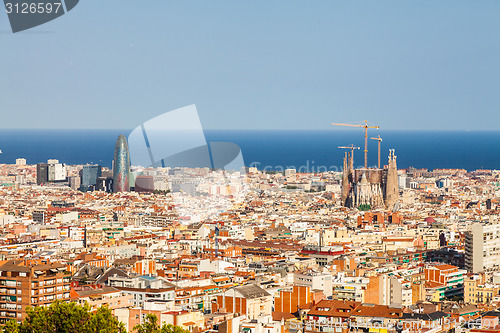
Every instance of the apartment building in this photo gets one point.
(482, 247)
(30, 283)
(316, 280)
(478, 291)
(444, 281)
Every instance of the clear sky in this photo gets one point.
(260, 64)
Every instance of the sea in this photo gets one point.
(307, 150)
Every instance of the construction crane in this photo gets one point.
(366, 127)
(351, 147)
(379, 139)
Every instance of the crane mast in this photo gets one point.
(366, 127)
(379, 139)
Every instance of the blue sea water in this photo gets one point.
(275, 149)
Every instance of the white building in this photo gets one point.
(482, 247)
(56, 172)
(314, 279)
(20, 161)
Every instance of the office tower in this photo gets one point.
(20, 161)
(42, 173)
(121, 166)
(29, 284)
(104, 184)
(482, 247)
(56, 172)
(90, 174)
(74, 182)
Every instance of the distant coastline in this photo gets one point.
(274, 149)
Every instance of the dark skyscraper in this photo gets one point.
(42, 173)
(121, 166)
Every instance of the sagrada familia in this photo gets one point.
(377, 188)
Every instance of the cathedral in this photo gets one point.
(376, 188)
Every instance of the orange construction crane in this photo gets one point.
(366, 127)
(379, 139)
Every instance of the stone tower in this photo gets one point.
(391, 189)
(345, 181)
(347, 178)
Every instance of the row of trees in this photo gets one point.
(62, 317)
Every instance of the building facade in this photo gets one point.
(482, 247)
(29, 283)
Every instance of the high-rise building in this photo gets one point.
(104, 184)
(74, 182)
(90, 174)
(482, 247)
(42, 173)
(56, 172)
(121, 166)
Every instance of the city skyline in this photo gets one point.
(342, 173)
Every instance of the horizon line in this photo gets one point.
(255, 129)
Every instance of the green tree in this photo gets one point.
(151, 325)
(62, 317)
(11, 327)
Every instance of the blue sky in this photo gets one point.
(262, 64)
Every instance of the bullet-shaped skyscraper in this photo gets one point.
(121, 166)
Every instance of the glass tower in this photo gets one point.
(121, 166)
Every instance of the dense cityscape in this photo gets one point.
(376, 249)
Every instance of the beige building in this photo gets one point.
(109, 296)
(187, 320)
(482, 247)
(476, 291)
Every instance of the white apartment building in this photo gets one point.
(482, 247)
(315, 280)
